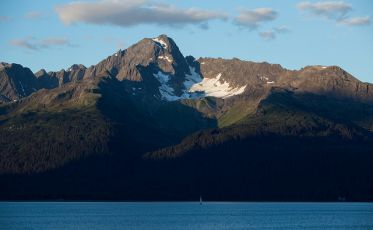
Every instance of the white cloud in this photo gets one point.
(334, 10)
(128, 13)
(358, 21)
(268, 35)
(33, 15)
(330, 9)
(254, 18)
(4, 18)
(24, 43)
(282, 29)
(32, 43)
(48, 42)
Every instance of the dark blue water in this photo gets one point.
(180, 215)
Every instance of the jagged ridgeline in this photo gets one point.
(148, 123)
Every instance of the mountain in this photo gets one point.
(16, 82)
(147, 123)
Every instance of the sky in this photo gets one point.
(54, 35)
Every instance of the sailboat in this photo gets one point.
(200, 200)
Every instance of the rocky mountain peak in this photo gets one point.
(16, 82)
(164, 42)
(75, 67)
(144, 62)
(156, 53)
(3, 64)
(40, 73)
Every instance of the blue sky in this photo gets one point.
(53, 34)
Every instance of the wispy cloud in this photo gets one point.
(24, 43)
(358, 21)
(34, 15)
(282, 29)
(334, 10)
(4, 18)
(272, 34)
(32, 43)
(49, 42)
(330, 9)
(129, 13)
(253, 18)
(268, 35)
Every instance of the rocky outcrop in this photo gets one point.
(238, 72)
(161, 51)
(46, 81)
(16, 82)
(330, 81)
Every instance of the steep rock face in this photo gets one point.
(161, 51)
(16, 82)
(323, 80)
(45, 80)
(239, 73)
(73, 74)
(76, 72)
(253, 80)
(145, 63)
(328, 80)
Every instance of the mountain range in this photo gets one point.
(148, 123)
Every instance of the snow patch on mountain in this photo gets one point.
(166, 91)
(161, 42)
(192, 78)
(23, 90)
(197, 87)
(166, 58)
(213, 87)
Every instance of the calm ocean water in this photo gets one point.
(181, 215)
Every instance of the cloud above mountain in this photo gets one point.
(329, 9)
(32, 43)
(4, 18)
(267, 35)
(334, 10)
(358, 21)
(129, 13)
(253, 18)
(34, 15)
